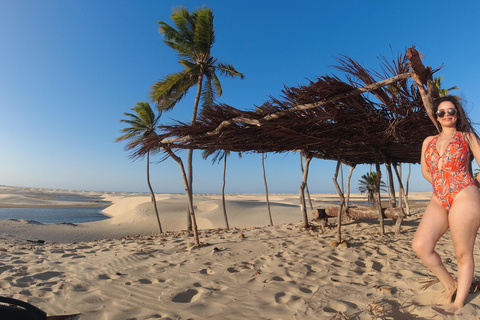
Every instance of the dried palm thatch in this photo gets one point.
(373, 116)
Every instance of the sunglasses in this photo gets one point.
(451, 112)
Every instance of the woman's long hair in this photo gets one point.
(463, 122)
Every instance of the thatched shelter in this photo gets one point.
(370, 118)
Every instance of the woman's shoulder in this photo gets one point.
(468, 135)
(429, 138)
(471, 138)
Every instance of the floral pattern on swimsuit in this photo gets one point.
(448, 170)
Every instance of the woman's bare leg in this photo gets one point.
(432, 227)
(464, 221)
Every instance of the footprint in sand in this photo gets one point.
(47, 275)
(186, 297)
(144, 281)
(291, 301)
(207, 271)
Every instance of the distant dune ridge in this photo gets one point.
(121, 268)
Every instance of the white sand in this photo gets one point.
(120, 268)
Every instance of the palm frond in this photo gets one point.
(228, 70)
(168, 91)
(204, 33)
(141, 125)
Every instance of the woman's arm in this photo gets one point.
(474, 145)
(425, 171)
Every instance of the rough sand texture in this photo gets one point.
(280, 272)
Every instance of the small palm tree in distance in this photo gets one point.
(368, 186)
(142, 124)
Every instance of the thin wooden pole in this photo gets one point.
(342, 202)
(308, 157)
(379, 198)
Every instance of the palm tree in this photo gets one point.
(442, 92)
(142, 125)
(192, 36)
(368, 185)
(218, 156)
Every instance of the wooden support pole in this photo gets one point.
(379, 198)
(303, 207)
(342, 202)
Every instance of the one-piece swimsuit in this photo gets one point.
(449, 170)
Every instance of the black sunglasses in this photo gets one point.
(451, 112)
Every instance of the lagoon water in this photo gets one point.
(55, 215)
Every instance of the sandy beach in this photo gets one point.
(121, 268)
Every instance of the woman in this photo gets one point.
(455, 202)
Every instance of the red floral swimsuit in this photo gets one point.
(449, 175)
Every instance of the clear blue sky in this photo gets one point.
(70, 69)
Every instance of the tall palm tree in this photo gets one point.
(218, 156)
(368, 185)
(192, 36)
(142, 125)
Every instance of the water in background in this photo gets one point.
(55, 215)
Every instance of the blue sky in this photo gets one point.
(70, 69)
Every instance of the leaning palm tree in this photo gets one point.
(218, 156)
(368, 185)
(142, 125)
(192, 36)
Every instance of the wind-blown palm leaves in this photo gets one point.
(192, 37)
(442, 92)
(368, 185)
(141, 125)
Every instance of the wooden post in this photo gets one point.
(423, 76)
(399, 177)
(306, 184)
(379, 198)
(391, 185)
(308, 157)
(402, 190)
(342, 202)
(266, 189)
(348, 186)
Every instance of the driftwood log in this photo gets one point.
(397, 214)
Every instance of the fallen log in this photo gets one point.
(397, 214)
(366, 212)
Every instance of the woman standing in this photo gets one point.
(455, 203)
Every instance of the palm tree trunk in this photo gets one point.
(190, 151)
(303, 207)
(266, 189)
(189, 195)
(223, 191)
(153, 194)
